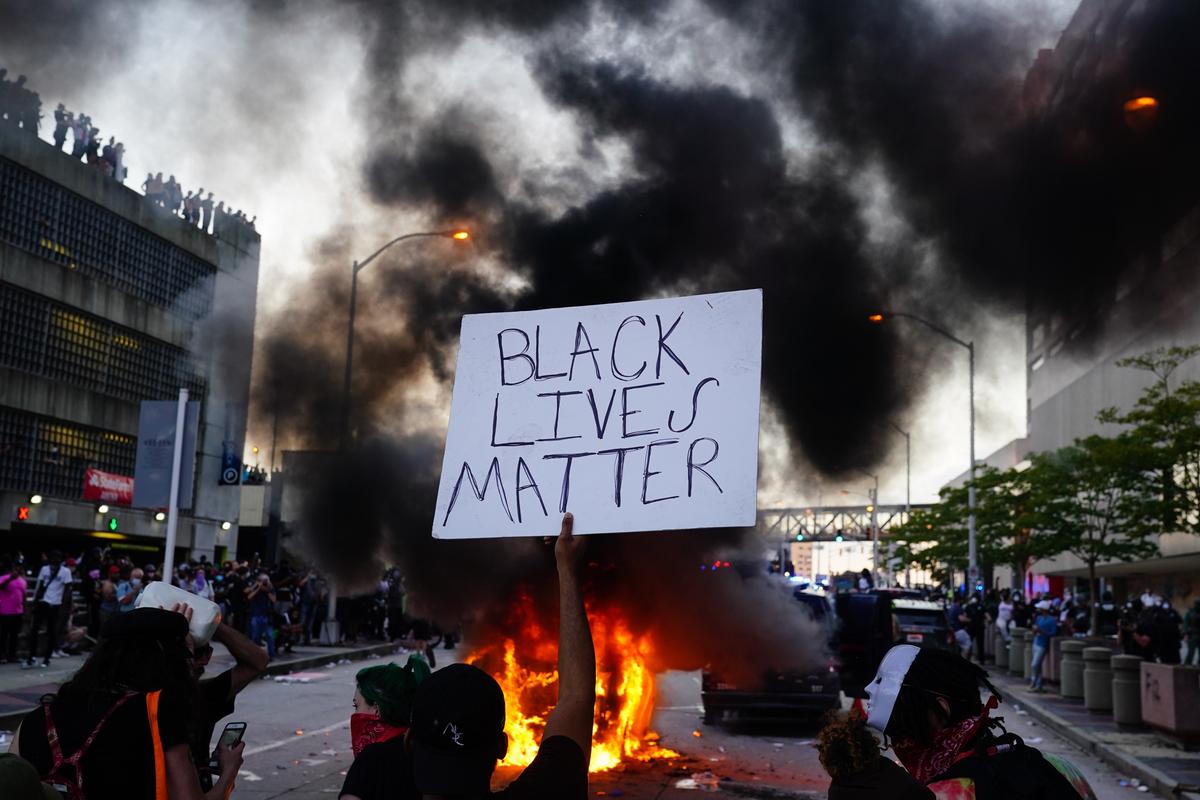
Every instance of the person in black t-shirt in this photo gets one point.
(217, 694)
(137, 693)
(457, 732)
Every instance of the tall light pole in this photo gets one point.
(329, 631)
(357, 267)
(972, 554)
(907, 488)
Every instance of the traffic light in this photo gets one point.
(22, 513)
(799, 537)
(837, 538)
(113, 524)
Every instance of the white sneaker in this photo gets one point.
(58, 654)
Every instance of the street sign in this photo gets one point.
(635, 416)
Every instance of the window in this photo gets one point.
(49, 456)
(44, 338)
(42, 218)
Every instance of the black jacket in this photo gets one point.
(884, 778)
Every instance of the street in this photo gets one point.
(298, 746)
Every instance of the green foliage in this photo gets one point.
(1166, 421)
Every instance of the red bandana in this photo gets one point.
(368, 729)
(926, 762)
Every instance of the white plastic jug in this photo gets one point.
(206, 615)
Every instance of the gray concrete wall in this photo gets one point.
(222, 342)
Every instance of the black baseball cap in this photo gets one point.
(457, 731)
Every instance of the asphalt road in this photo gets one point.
(298, 746)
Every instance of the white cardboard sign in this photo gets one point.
(635, 416)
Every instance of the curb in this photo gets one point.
(9, 722)
(1157, 780)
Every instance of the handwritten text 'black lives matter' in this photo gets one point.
(642, 359)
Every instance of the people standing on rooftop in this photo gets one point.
(62, 121)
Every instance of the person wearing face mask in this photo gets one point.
(927, 703)
(382, 707)
(128, 589)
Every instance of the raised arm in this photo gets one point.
(573, 715)
(251, 658)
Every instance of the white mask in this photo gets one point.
(883, 690)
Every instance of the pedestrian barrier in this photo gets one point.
(1097, 679)
(1029, 637)
(1016, 652)
(1127, 690)
(1001, 648)
(1071, 669)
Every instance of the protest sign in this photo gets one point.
(634, 416)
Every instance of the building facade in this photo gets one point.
(1072, 353)
(107, 300)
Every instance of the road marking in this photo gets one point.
(251, 751)
(245, 774)
(679, 708)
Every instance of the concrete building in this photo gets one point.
(1071, 357)
(105, 301)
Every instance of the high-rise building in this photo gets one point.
(106, 300)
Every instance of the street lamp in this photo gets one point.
(330, 633)
(907, 492)
(972, 555)
(459, 234)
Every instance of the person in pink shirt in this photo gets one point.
(12, 608)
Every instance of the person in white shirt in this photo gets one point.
(48, 594)
(1004, 615)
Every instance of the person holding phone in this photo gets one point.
(125, 715)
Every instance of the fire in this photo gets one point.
(524, 665)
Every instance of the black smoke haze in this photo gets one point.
(999, 205)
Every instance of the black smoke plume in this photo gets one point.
(1008, 193)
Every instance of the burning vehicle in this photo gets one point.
(777, 695)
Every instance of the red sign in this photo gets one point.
(107, 488)
(22, 513)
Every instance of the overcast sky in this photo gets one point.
(271, 119)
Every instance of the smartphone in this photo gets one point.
(232, 734)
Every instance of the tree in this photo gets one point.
(1166, 422)
(1005, 520)
(1097, 499)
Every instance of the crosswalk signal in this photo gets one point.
(113, 524)
(22, 513)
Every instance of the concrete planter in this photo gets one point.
(1071, 669)
(1028, 672)
(1171, 699)
(1097, 679)
(1127, 690)
(1050, 665)
(1016, 652)
(1001, 648)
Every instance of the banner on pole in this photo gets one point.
(634, 416)
(156, 447)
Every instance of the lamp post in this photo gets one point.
(972, 554)
(907, 491)
(329, 631)
(357, 267)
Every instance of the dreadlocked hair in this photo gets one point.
(934, 674)
(846, 745)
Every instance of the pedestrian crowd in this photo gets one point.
(137, 719)
(195, 208)
(21, 107)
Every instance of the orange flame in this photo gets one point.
(524, 665)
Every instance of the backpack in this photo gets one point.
(71, 785)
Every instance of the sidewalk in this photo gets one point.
(21, 689)
(1140, 754)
